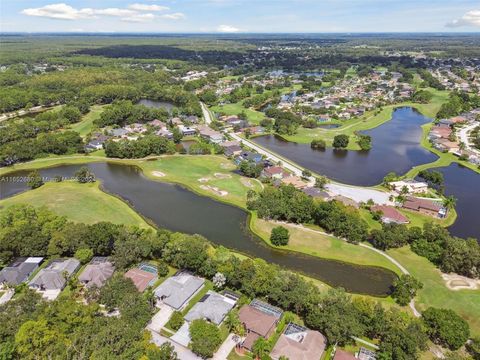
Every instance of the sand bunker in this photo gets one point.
(458, 282)
(214, 190)
(227, 166)
(222, 176)
(246, 182)
(204, 180)
(158, 173)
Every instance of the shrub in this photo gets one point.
(176, 320)
(205, 338)
(84, 255)
(279, 236)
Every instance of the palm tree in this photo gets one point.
(450, 202)
(260, 347)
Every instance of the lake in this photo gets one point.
(395, 147)
(464, 185)
(175, 208)
(157, 104)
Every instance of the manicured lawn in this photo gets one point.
(434, 293)
(86, 124)
(79, 202)
(215, 171)
(236, 108)
(325, 246)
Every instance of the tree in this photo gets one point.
(405, 288)
(450, 202)
(177, 135)
(306, 174)
(176, 320)
(35, 339)
(279, 236)
(320, 182)
(205, 338)
(365, 142)
(219, 280)
(232, 321)
(166, 351)
(446, 328)
(84, 175)
(84, 255)
(340, 141)
(260, 348)
(34, 179)
(318, 144)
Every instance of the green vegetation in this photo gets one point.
(405, 288)
(79, 202)
(253, 116)
(205, 338)
(279, 236)
(85, 125)
(446, 327)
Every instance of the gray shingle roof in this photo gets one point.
(52, 277)
(19, 271)
(212, 307)
(96, 274)
(176, 290)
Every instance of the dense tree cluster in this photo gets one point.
(145, 146)
(124, 112)
(458, 102)
(286, 122)
(289, 204)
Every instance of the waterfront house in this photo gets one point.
(390, 214)
(212, 307)
(316, 193)
(274, 172)
(296, 181)
(299, 343)
(346, 201)
(232, 150)
(209, 134)
(412, 186)
(425, 206)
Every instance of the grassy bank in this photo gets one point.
(325, 246)
(79, 202)
(435, 293)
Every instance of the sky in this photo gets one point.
(240, 16)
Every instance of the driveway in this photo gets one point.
(225, 348)
(182, 352)
(160, 318)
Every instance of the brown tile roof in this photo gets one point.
(141, 279)
(390, 213)
(310, 347)
(250, 340)
(256, 321)
(416, 204)
(343, 355)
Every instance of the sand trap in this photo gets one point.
(227, 166)
(222, 176)
(204, 180)
(246, 182)
(214, 190)
(158, 173)
(457, 282)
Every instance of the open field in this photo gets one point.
(86, 124)
(435, 293)
(236, 108)
(79, 202)
(325, 246)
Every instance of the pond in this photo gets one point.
(328, 126)
(395, 147)
(157, 104)
(464, 185)
(175, 208)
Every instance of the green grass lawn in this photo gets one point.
(253, 116)
(79, 202)
(187, 170)
(85, 126)
(434, 293)
(324, 246)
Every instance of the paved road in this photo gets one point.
(225, 348)
(463, 135)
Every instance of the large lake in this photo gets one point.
(175, 208)
(464, 185)
(395, 147)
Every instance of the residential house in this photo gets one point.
(141, 279)
(164, 132)
(299, 343)
(343, 355)
(192, 119)
(178, 289)
(210, 134)
(366, 354)
(94, 145)
(19, 271)
(212, 307)
(296, 181)
(259, 320)
(274, 172)
(119, 133)
(249, 156)
(97, 272)
(412, 186)
(232, 150)
(316, 193)
(186, 130)
(390, 214)
(51, 280)
(157, 123)
(425, 206)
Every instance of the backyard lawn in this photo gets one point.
(79, 202)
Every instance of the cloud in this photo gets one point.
(173, 16)
(139, 18)
(134, 12)
(227, 29)
(145, 7)
(470, 18)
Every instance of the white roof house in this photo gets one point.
(178, 289)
